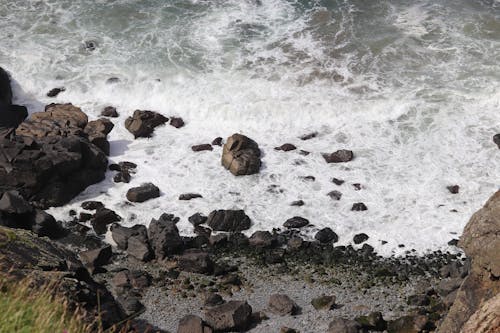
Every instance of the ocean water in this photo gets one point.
(412, 87)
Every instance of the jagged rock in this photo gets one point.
(340, 156)
(196, 261)
(233, 315)
(189, 196)
(241, 155)
(341, 325)
(130, 303)
(309, 136)
(62, 114)
(131, 279)
(12, 202)
(324, 302)
(102, 218)
(217, 141)
(176, 122)
(164, 236)
(193, 324)
(134, 240)
(45, 225)
(197, 219)
(359, 207)
(486, 319)
(202, 147)
(296, 222)
(92, 205)
(228, 220)
(5, 89)
(335, 195)
(97, 132)
(326, 235)
(55, 91)
(109, 111)
(261, 239)
(282, 305)
(360, 238)
(142, 193)
(143, 123)
(97, 257)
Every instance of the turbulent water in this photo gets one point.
(412, 87)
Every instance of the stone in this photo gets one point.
(102, 218)
(109, 111)
(360, 238)
(295, 243)
(197, 219)
(97, 132)
(309, 136)
(233, 315)
(164, 236)
(324, 302)
(496, 140)
(143, 123)
(217, 141)
(296, 222)
(189, 196)
(261, 239)
(84, 217)
(213, 299)
(326, 235)
(5, 88)
(340, 156)
(193, 324)
(122, 177)
(139, 248)
(202, 147)
(454, 189)
(285, 329)
(228, 220)
(97, 257)
(335, 195)
(341, 325)
(142, 193)
(55, 91)
(286, 147)
(486, 319)
(282, 305)
(409, 324)
(121, 234)
(374, 321)
(196, 261)
(176, 122)
(130, 304)
(62, 114)
(337, 181)
(297, 203)
(12, 202)
(92, 205)
(241, 155)
(45, 225)
(359, 207)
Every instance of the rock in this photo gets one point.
(486, 319)
(337, 181)
(92, 205)
(341, 325)
(5, 88)
(142, 193)
(360, 238)
(418, 300)
(233, 315)
(496, 140)
(202, 147)
(480, 241)
(62, 114)
(453, 242)
(193, 324)
(12, 202)
(97, 132)
(309, 136)
(11, 116)
(296, 222)
(84, 217)
(196, 261)
(335, 195)
(121, 234)
(324, 302)
(102, 218)
(297, 203)
(309, 178)
(340, 156)
(374, 321)
(143, 123)
(190, 196)
(295, 243)
(326, 235)
(241, 155)
(453, 189)
(261, 239)
(285, 329)
(122, 177)
(112, 80)
(217, 141)
(176, 122)
(56, 91)
(164, 236)
(214, 299)
(130, 304)
(138, 247)
(45, 225)
(409, 324)
(228, 220)
(197, 219)
(131, 279)
(282, 305)
(359, 207)
(286, 147)
(97, 257)
(109, 111)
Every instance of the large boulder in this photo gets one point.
(5, 89)
(477, 299)
(97, 132)
(228, 220)
(164, 236)
(231, 316)
(134, 240)
(143, 193)
(192, 324)
(10, 115)
(142, 123)
(241, 155)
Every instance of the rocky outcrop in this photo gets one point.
(10, 115)
(143, 123)
(5, 89)
(477, 302)
(241, 155)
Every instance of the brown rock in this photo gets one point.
(142, 193)
(143, 123)
(241, 155)
(109, 111)
(233, 315)
(282, 305)
(202, 147)
(193, 324)
(286, 147)
(176, 122)
(340, 156)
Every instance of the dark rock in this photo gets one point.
(282, 305)
(102, 218)
(285, 329)
(295, 243)
(97, 132)
(92, 205)
(56, 91)
(45, 225)
(233, 315)
(202, 147)
(359, 207)
(193, 324)
(241, 155)
(130, 304)
(189, 196)
(72, 212)
(357, 186)
(109, 111)
(496, 140)
(360, 238)
(112, 80)
(164, 236)
(453, 242)
(286, 147)
(340, 156)
(453, 189)
(122, 234)
(304, 152)
(309, 136)
(122, 177)
(12, 202)
(309, 178)
(196, 261)
(326, 235)
(127, 166)
(138, 247)
(131, 279)
(409, 324)
(418, 300)
(143, 123)
(337, 181)
(84, 217)
(324, 302)
(297, 203)
(341, 325)
(11, 116)
(97, 257)
(335, 195)
(296, 222)
(214, 299)
(261, 239)
(217, 141)
(142, 193)
(90, 45)
(197, 219)
(374, 321)
(228, 220)
(5, 88)
(176, 122)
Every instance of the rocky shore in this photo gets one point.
(219, 279)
